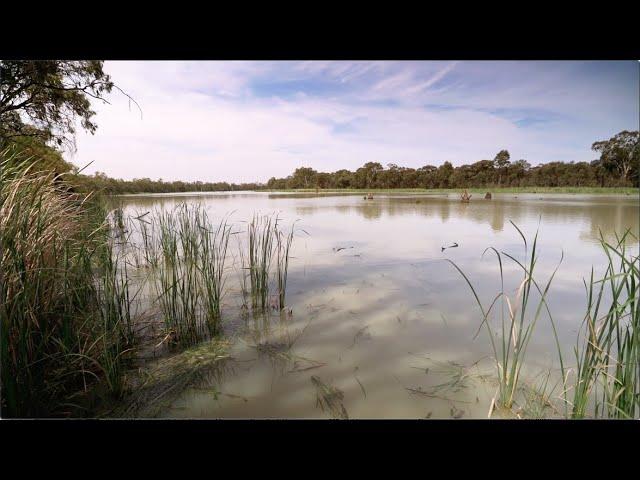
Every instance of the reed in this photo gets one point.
(608, 347)
(147, 234)
(177, 284)
(117, 292)
(114, 305)
(190, 272)
(260, 233)
(244, 268)
(517, 321)
(283, 247)
(214, 243)
(53, 340)
(118, 220)
(605, 381)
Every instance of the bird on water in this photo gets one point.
(450, 246)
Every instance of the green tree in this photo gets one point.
(342, 179)
(444, 175)
(392, 177)
(483, 172)
(517, 171)
(501, 162)
(621, 154)
(599, 172)
(43, 157)
(45, 98)
(367, 175)
(427, 176)
(304, 177)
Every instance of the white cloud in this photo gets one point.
(210, 121)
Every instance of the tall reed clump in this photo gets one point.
(266, 241)
(283, 246)
(608, 349)
(244, 268)
(177, 277)
(261, 233)
(114, 300)
(214, 243)
(191, 272)
(147, 233)
(517, 321)
(52, 334)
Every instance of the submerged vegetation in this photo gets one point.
(329, 398)
(170, 377)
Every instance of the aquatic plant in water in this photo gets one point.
(608, 348)
(517, 325)
(261, 234)
(605, 380)
(329, 398)
(214, 242)
(191, 272)
(283, 246)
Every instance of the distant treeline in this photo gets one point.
(618, 168)
(100, 182)
(47, 158)
(480, 174)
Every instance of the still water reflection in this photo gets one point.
(379, 316)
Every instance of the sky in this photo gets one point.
(245, 121)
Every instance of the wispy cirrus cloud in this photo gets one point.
(248, 121)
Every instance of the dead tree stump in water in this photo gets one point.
(487, 196)
(465, 197)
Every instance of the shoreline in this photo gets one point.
(623, 191)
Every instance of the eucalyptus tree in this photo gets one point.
(501, 162)
(621, 154)
(44, 99)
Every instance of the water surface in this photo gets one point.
(380, 313)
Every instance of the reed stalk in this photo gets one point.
(608, 347)
(517, 326)
(283, 247)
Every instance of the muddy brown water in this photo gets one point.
(383, 324)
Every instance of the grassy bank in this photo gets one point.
(63, 304)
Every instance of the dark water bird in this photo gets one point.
(450, 246)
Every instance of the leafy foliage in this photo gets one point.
(45, 98)
(621, 155)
